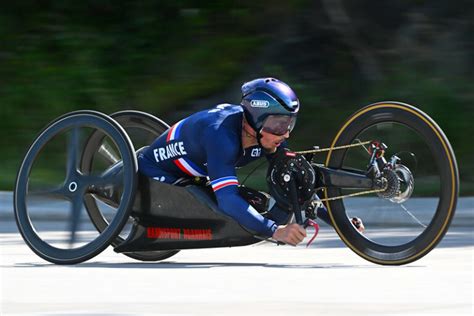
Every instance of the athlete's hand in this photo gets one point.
(291, 234)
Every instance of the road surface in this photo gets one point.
(263, 279)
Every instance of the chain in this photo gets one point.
(359, 143)
(352, 194)
(314, 151)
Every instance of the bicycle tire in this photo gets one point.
(149, 127)
(64, 124)
(399, 114)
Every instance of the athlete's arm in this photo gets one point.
(222, 148)
(322, 213)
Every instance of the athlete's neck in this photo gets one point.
(249, 136)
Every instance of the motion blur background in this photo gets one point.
(171, 58)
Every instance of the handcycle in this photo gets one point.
(389, 161)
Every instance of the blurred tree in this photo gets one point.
(171, 56)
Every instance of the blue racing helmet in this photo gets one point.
(270, 105)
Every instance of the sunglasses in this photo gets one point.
(279, 124)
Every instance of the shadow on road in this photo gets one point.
(201, 265)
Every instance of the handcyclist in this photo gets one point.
(214, 142)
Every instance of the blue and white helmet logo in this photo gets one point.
(259, 103)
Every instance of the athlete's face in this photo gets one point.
(270, 142)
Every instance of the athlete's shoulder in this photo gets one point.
(217, 114)
(225, 116)
(224, 130)
(226, 109)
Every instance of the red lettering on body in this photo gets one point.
(175, 233)
(197, 234)
(163, 233)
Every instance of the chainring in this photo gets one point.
(285, 166)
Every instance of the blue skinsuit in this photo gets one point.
(209, 144)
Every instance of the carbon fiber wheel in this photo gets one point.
(142, 129)
(410, 218)
(51, 187)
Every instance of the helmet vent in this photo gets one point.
(270, 79)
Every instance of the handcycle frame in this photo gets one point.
(189, 217)
(170, 218)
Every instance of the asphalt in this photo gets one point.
(362, 207)
(263, 279)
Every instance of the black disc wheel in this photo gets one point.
(50, 188)
(413, 212)
(142, 129)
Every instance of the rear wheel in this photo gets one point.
(51, 187)
(142, 129)
(412, 215)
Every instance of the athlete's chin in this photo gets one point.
(270, 149)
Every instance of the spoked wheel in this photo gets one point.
(142, 129)
(50, 178)
(408, 219)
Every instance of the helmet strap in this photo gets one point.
(259, 137)
(249, 134)
(246, 126)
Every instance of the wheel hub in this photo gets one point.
(72, 186)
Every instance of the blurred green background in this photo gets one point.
(171, 58)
